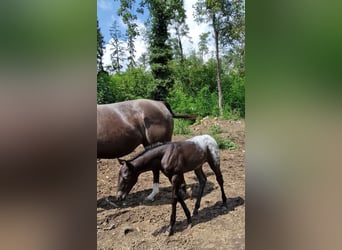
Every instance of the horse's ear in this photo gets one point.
(121, 161)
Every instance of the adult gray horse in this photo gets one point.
(123, 126)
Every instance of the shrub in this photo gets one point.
(225, 143)
(181, 127)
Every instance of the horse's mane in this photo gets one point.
(148, 148)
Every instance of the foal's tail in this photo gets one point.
(183, 116)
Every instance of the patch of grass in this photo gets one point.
(226, 143)
(215, 129)
(181, 127)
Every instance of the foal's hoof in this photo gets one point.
(195, 212)
(189, 223)
(170, 230)
(149, 198)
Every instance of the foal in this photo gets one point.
(174, 159)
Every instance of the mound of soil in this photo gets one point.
(139, 224)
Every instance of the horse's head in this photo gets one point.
(127, 179)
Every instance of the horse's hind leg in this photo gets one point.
(155, 189)
(202, 181)
(215, 166)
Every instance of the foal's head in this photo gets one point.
(127, 179)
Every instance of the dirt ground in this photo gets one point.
(140, 224)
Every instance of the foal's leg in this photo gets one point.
(176, 181)
(183, 187)
(215, 166)
(155, 190)
(202, 181)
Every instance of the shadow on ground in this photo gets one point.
(204, 215)
(138, 198)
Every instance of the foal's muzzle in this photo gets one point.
(121, 196)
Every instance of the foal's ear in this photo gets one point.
(121, 161)
(130, 166)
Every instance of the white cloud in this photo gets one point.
(105, 4)
(195, 30)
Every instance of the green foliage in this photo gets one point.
(117, 55)
(132, 84)
(234, 95)
(202, 44)
(181, 127)
(129, 17)
(99, 50)
(215, 129)
(225, 143)
(104, 91)
(195, 89)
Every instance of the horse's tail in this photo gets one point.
(183, 116)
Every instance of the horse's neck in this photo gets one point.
(143, 162)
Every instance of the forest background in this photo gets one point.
(206, 78)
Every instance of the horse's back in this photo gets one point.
(157, 121)
(122, 126)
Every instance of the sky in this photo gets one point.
(107, 13)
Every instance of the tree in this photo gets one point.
(180, 28)
(143, 61)
(224, 17)
(129, 18)
(202, 44)
(160, 52)
(162, 12)
(100, 44)
(117, 56)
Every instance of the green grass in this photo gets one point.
(215, 129)
(225, 143)
(181, 127)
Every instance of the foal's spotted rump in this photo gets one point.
(174, 159)
(206, 142)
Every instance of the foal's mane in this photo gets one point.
(148, 148)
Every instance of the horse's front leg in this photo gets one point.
(155, 189)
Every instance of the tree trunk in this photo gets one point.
(180, 48)
(218, 67)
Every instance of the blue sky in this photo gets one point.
(107, 13)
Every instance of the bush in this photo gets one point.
(225, 143)
(104, 92)
(181, 127)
